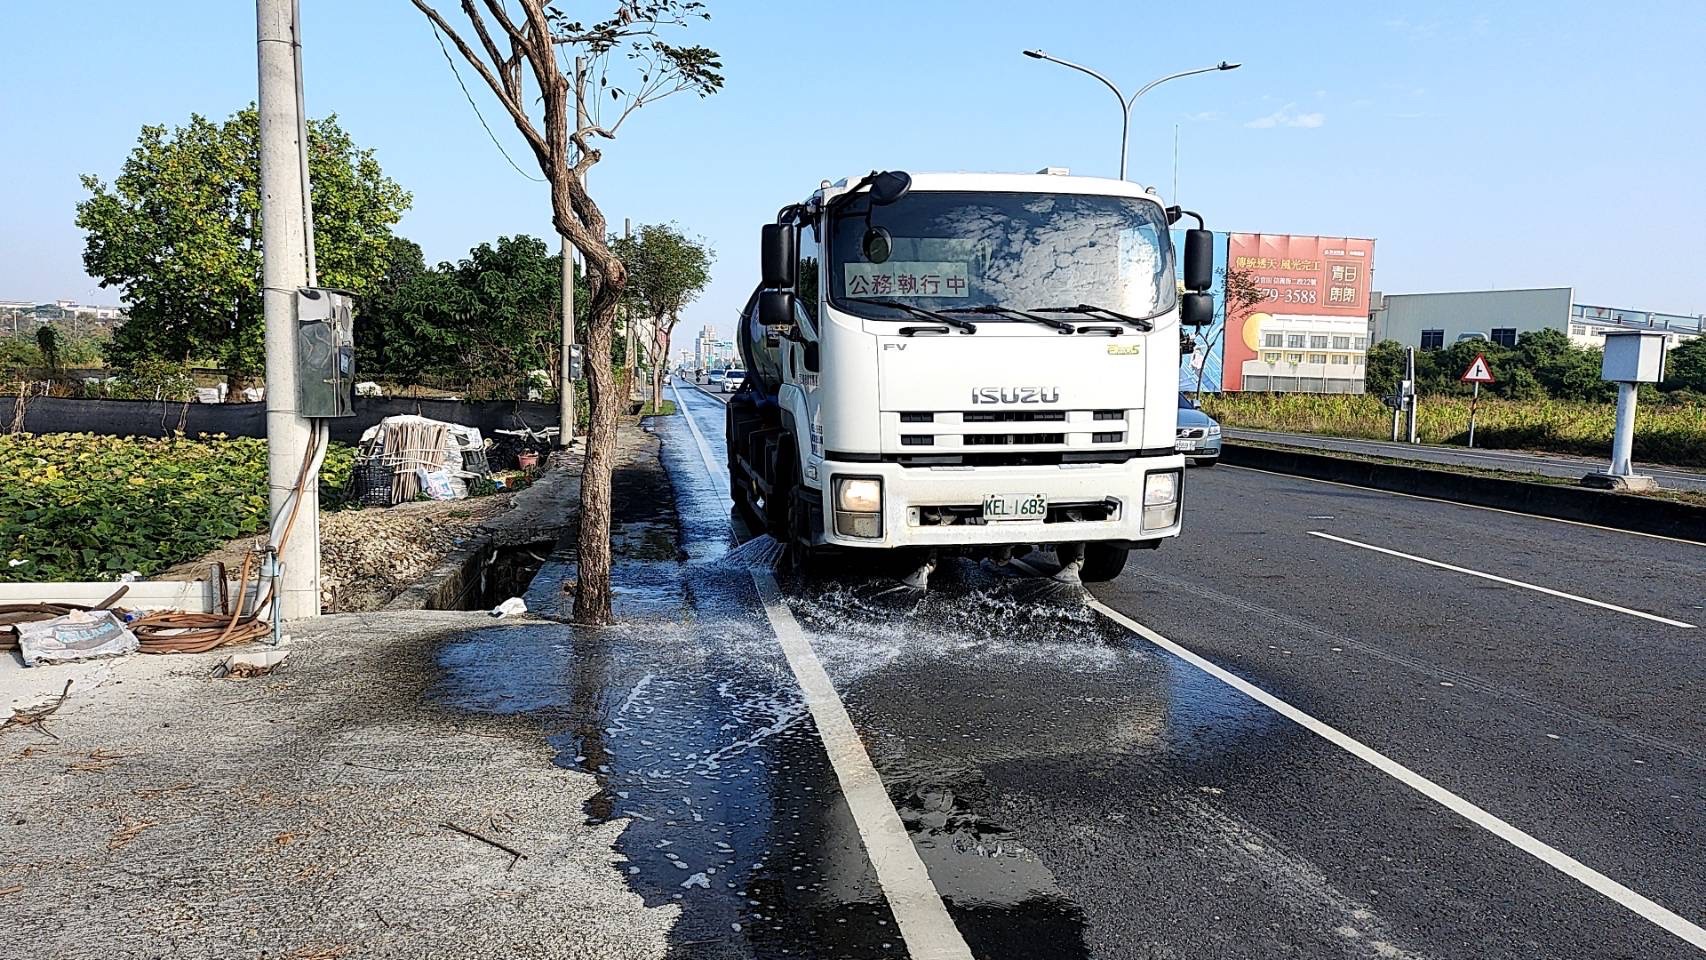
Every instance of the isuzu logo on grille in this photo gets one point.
(1015, 395)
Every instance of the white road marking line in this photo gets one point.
(924, 923)
(1471, 506)
(1506, 580)
(925, 927)
(1551, 856)
(718, 477)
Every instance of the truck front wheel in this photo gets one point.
(1102, 562)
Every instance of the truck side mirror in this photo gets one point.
(776, 308)
(1196, 309)
(778, 255)
(1199, 260)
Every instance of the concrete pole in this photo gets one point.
(1410, 398)
(1623, 436)
(284, 268)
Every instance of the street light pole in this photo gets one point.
(1127, 104)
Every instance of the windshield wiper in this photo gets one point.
(991, 310)
(1142, 323)
(965, 326)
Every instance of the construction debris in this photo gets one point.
(78, 635)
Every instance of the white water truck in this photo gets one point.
(972, 364)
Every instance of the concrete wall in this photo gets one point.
(1404, 316)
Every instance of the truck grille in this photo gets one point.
(1015, 416)
(992, 437)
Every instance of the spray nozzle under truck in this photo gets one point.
(967, 363)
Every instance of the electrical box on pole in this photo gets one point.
(325, 353)
(1631, 357)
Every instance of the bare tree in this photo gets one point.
(1240, 294)
(521, 58)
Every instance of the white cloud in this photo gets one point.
(1287, 116)
(1416, 31)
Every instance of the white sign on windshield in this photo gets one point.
(909, 278)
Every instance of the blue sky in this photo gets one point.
(1481, 144)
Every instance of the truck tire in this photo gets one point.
(805, 560)
(1102, 562)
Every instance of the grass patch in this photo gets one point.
(82, 507)
(1673, 434)
(666, 410)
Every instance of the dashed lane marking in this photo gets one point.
(1642, 907)
(1471, 506)
(1505, 580)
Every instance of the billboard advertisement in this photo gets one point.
(1201, 367)
(1307, 329)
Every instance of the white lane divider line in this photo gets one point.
(925, 927)
(1506, 580)
(1471, 506)
(918, 909)
(719, 478)
(1551, 856)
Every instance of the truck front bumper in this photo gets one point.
(943, 506)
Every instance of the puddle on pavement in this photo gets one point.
(690, 719)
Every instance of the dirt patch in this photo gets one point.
(370, 556)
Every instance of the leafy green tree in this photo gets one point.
(666, 272)
(1383, 368)
(179, 233)
(1685, 367)
(492, 316)
(1568, 372)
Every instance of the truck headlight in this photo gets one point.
(859, 507)
(1161, 499)
(859, 494)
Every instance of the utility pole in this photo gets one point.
(565, 377)
(284, 269)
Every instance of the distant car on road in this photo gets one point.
(713, 378)
(1199, 434)
(733, 377)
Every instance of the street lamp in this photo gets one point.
(1125, 104)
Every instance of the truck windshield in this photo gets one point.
(1017, 250)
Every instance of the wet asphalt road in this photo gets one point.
(1075, 790)
(1551, 465)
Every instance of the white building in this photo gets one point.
(1432, 321)
(1306, 354)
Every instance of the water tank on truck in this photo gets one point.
(761, 348)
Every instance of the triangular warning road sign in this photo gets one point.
(1478, 371)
